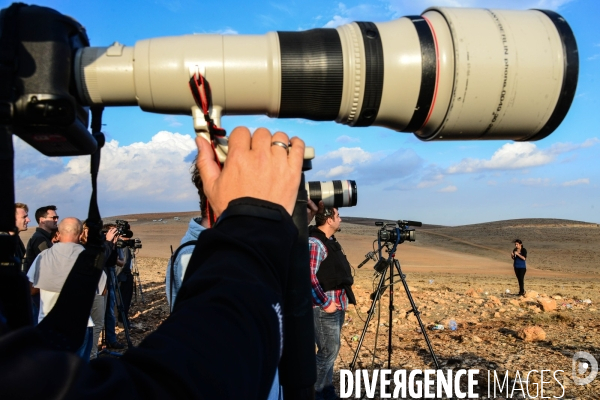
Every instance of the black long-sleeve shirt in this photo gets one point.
(39, 241)
(223, 339)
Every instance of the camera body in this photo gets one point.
(131, 243)
(390, 233)
(42, 107)
(123, 228)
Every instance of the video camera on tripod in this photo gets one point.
(131, 243)
(391, 233)
(389, 236)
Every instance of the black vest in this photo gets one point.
(335, 271)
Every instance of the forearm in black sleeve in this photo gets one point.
(223, 339)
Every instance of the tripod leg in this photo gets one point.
(416, 313)
(377, 294)
(139, 280)
(120, 308)
(390, 317)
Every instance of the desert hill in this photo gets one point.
(552, 244)
(557, 245)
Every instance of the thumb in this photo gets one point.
(207, 166)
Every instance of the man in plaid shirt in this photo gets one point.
(331, 280)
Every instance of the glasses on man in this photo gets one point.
(54, 217)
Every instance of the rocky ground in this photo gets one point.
(489, 334)
(496, 330)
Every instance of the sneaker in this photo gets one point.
(116, 345)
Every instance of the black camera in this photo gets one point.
(131, 243)
(123, 228)
(390, 233)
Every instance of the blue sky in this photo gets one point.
(145, 162)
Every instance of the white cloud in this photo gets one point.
(172, 120)
(304, 122)
(448, 189)
(349, 155)
(510, 156)
(533, 181)
(430, 181)
(589, 143)
(347, 139)
(360, 12)
(518, 155)
(334, 172)
(140, 177)
(171, 5)
(227, 31)
(337, 21)
(368, 168)
(582, 181)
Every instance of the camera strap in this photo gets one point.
(64, 327)
(203, 97)
(15, 300)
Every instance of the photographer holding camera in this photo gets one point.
(235, 279)
(331, 280)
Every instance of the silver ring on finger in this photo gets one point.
(281, 144)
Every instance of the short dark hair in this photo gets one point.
(197, 181)
(322, 217)
(518, 241)
(42, 212)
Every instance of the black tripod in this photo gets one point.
(391, 239)
(112, 281)
(137, 281)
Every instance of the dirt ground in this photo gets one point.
(463, 274)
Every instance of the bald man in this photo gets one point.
(51, 267)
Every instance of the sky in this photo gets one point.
(145, 163)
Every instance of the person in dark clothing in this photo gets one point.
(519, 255)
(40, 240)
(235, 279)
(21, 222)
(331, 280)
(125, 280)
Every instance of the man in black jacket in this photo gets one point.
(42, 237)
(40, 240)
(21, 222)
(331, 280)
(235, 282)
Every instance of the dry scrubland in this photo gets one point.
(459, 273)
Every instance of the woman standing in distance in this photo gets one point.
(519, 255)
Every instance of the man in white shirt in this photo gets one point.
(51, 267)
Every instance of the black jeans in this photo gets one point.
(520, 273)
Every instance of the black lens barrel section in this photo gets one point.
(312, 74)
(570, 76)
(428, 74)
